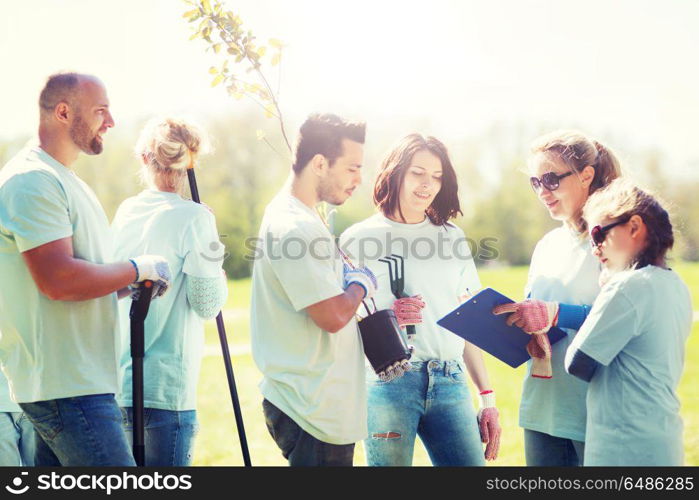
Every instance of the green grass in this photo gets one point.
(217, 442)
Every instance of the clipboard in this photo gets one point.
(474, 321)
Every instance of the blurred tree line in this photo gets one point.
(501, 212)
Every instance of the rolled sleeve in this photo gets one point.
(204, 252)
(304, 263)
(34, 210)
(611, 324)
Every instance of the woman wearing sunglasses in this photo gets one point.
(566, 168)
(417, 194)
(631, 347)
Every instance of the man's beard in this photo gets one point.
(326, 194)
(83, 137)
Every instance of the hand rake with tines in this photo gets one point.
(396, 275)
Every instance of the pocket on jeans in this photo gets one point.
(45, 418)
(457, 375)
(283, 429)
(125, 418)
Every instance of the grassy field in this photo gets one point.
(217, 442)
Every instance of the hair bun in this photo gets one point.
(168, 146)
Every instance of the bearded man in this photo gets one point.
(58, 292)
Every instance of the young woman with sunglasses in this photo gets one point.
(566, 168)
(417, 194)
(631, 347)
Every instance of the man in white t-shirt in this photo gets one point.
(305, 338)
(58, 291)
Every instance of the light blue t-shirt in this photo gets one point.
(313, 376)
(562, 269)
(52, 349)
(184, 233)
(637, 331)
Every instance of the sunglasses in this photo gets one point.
(599, 233)
(550, 180)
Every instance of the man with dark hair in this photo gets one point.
(58, 292)
(304, 333)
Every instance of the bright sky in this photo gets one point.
(625, 68)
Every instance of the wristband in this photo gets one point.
(487, 399)
(359, 284)
(136, 268)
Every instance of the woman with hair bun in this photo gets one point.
(566, 167)
(631, 347)
(160, 220)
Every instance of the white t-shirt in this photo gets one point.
(563, 269)
(637, 329)
(6, 403)
(315, 377)
(52, 349)
(438, 266)
(184, 233)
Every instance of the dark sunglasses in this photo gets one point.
(550, 180)
(599, 233)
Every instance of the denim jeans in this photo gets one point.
(544, 450)
(17, 441)
(299, 447)
(79, 431)
(169, 435)
(431, 401)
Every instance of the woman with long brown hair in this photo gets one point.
(417, 195)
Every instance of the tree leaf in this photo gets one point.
(217, 48)
(213, 70)
(206, 6)
(260, 134)
(261, 51)
(191, 13)
(277, 44)
(219, 78)
(195, 35)
(276, 58)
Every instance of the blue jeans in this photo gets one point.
(299, 447)
(431, 401)
(79, 431)
(544, 450)
(169, 435)
(17, 440)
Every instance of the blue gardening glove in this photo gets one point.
(363, 277)
(154, 268)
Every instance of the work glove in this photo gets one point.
(535, 317)
(408, 310)
(363, 277)
(489, 424)
(152, 268)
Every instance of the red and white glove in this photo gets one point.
(408, 310)
(535, 317)
(489, 424)
(532, 316)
